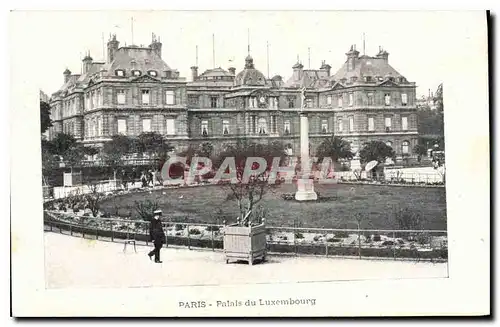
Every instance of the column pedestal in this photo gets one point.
(305, 186)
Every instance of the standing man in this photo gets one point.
(157, 236)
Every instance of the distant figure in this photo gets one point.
(134, 176)
(144, 180)
(150, 178)
(124, 179)
(157, 236)
(159, 179)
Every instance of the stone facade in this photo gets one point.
(136, 91)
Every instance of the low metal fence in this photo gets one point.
(352, 243)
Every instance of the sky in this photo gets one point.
(416, 41)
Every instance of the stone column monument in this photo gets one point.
(305, 185)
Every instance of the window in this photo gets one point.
(370, 98)
(204, 127)
(404, 99)
(287, 127)
(405, 147)
(262, 126)
(309, 103)
(120, 73)
(291, 103)
(351, 124)
(99, 126)
(368, 79)
(193, 100)
(170, 126)
(371, 124)
(146, 125)
(136, 73)
(387, 99)
(99, 97)
(388, 124)
(339, 104)
(225, 127)
(340, 125)
(351, 99)
(274, 103)
(273, 123)
(120, 96)
(329, 100)
(404, 123)
(213, 102)
(145, 96)
(153, 73)
(122, 126)
(324, 126)
(169, 97)
(252, 102)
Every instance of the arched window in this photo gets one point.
(262, 126)
(405, 147)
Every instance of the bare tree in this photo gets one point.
(93, 199)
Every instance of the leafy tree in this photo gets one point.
(62, 143)
(334, 147)
(376, 150)
(112, 152)
(45, 121)
(206, 150)
(420, 150)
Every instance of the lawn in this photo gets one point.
(375, 203)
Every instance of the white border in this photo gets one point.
(465, 292)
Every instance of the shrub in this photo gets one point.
(106, 215)
(376, 238)
(75, 210)
(342, 234)
(86, 214)
(179, 227)
(212, 228)
(334, 240)
(316, 238)
(195, 231)
(299, 235)
(283, 238)
(178, 234)
(401, 242)
(386, 243)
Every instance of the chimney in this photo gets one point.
(232, 70)
(67, 74)
(382, 54)
(325, 67)
(297, 71)
(87, 63)
(156, 45)
(194, 72)
(112, 48)
(352, 55)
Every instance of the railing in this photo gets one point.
(357, 243)
(394, 178)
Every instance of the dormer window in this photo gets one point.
(402, 80)
(168, 74)
(153, 73)
(368, 79)
(136, 72)
(146, 61)
(120, 72)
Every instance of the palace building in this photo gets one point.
(135, 91)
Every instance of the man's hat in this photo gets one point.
(157, 212)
